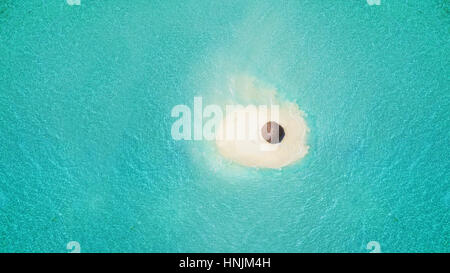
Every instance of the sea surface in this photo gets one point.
(86, 152)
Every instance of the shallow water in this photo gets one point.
(86, 152)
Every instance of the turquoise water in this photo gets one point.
(86, 153)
